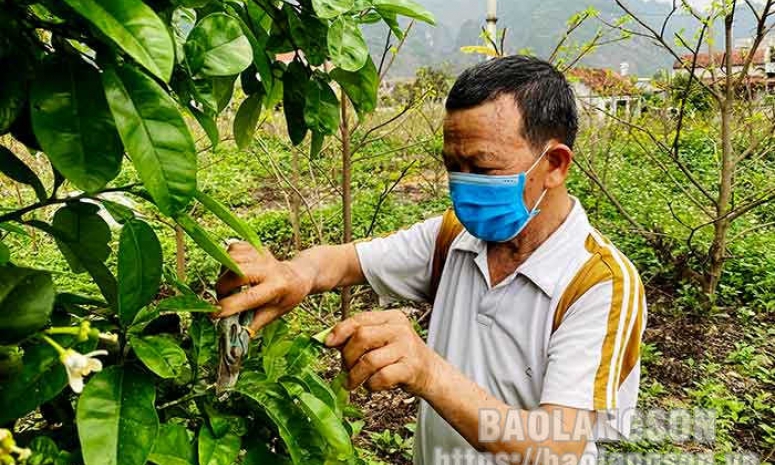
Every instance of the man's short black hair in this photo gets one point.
(542, 94)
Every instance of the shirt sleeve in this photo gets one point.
(594, 355)
(398, 267)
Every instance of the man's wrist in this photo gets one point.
(306, 272)
(436, 370)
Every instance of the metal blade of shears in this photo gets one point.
(233, 344)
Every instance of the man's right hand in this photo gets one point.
(274, 287)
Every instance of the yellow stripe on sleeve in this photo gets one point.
(620, 350)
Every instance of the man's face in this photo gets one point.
(487, 140)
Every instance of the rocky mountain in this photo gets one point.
(536, 25)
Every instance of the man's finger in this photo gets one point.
(263, 317)
(388, 378)
(365, 339)
(254, 297)
(229, 281)
(371, 363)
(344, 330)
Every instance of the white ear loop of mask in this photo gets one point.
(543, 194)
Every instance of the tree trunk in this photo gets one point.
(296, 201)
(717, 252)
(180, 254)
(346, 195)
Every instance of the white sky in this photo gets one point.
(694, 3)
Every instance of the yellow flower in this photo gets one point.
(79, 366)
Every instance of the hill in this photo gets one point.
(536, 25)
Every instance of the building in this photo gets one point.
(606, 91)
(711, 67)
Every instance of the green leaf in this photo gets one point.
(258, 453)
(321, 112)
(249, 81)
(208, 124)
(21, 130)
(12, 228)
(218, 47)
(329, 425)
(182, 22)
(83, 236)
(274, 361)
(246, 120)
(133, 26)
(219, 423)
(320, 337)
(295, 81)
(360, 86)
(217, 451)
(73, 124)
(186, 303)
(258, 38)
(173, 446)
(274, 332)
(346, 44)
(161, 355)
(274, 402)
(5, 253)
(320, 389)
(15, 169)
(225, 215)
(120, 213)
(13, 96)
(327, 9)
(139, 268)
(204, 340)
(408, 8)
(310, 35)
(371, 17)
(300, 355)
(42, 377)
(207, 243)
(316, 144)
(155, 135)
(116, 418)
(391, 20)
(223, 90)
(26, 302)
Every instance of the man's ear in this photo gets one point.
(560, 158)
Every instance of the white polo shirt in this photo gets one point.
(563, 329)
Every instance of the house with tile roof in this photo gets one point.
(606, 91)
(711, 67)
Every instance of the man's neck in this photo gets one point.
(504, 258)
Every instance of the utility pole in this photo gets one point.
(492, 23)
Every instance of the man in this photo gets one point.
(537, 318)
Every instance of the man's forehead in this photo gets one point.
(487, 128)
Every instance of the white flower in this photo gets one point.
(81, 365)
(23, 454)
(109, 337)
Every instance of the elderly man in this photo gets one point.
(533, 348)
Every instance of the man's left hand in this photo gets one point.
(382, 350)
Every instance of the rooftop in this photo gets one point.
(739, 56)
(604, 82)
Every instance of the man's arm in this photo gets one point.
(382, 351)
(276, 287)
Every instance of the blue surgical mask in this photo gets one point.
(492, 208)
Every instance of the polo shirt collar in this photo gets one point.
(545, 265)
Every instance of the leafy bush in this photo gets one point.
(98, 83)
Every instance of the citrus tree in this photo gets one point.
(98, 85)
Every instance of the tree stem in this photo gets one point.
(346, 194)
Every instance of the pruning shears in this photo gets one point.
(233, 343)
